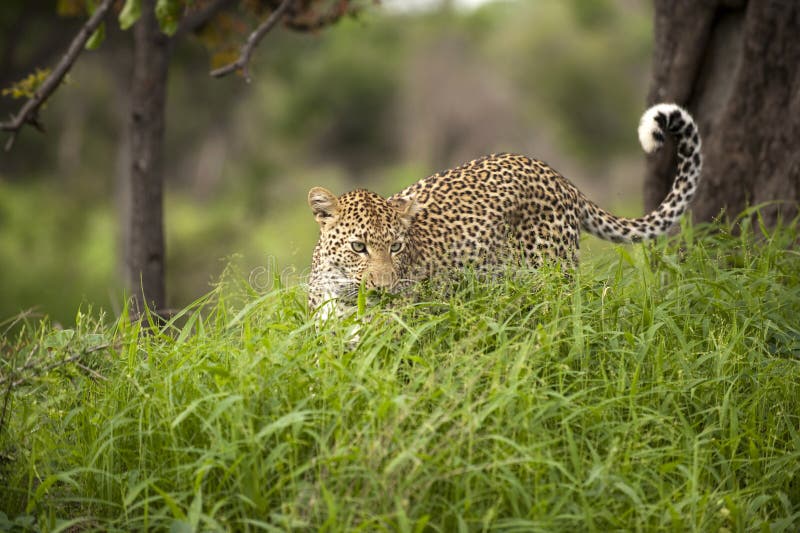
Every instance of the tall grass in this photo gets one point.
(657, 390)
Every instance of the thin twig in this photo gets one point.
(31, 365)
(48, 368)
(6, 398)
(30, 362)
(10, 387)
(94, 373)
(14, 320)
(29, 112)
(243, 62)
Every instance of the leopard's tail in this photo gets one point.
(659, 120)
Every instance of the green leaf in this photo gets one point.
(283, 422)
(168, 13)
(180, 526)
(130, 13)
(59, 338)
(362, 299)
(97, 37)
(191, 408)
(177, 512)
(195, 510)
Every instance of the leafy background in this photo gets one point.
(379, 102)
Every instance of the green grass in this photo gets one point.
(658, 390)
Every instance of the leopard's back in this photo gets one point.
(484, 211)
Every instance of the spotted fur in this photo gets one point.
(481, 214)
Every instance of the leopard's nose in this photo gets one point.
(385, 279)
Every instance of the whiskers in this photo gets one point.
(349, 292)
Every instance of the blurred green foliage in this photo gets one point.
(341, 109)
(55, 253)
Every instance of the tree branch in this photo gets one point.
(10, 384)
(252, 41)
(29, 112)
(31, 364)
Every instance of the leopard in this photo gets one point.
(483, 214)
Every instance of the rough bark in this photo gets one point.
(144, 250)
(735, 64)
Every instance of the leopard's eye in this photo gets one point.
(359, 247)
(396, 247)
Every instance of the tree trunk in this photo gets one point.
(735, 65)
(144, 250)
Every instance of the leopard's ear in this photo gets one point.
(323, 204)
(408, 207)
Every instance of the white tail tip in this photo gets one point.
(651, 132)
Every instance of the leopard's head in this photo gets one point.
(363, 239)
